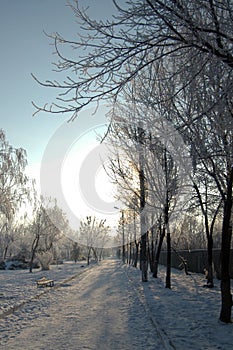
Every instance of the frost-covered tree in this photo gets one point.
(108, 53)
(189, 38)
(159, 190)
(48, 226)
(205, 119)
(94, 234)
(202, 115)
(14, 189)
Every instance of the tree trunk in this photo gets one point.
(95, 254)
(136, 254)
(144, 263)
(209, 233)
(210, 277)
(88, 256)
(143, 230)
(130, 253)
(168, 274)
(123, 236)
(225, 314)
(151, 255)
(157, 255)
(166, 222)
(34, 248)
(5, 252)
(183, 261)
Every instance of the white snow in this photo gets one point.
(106, 306)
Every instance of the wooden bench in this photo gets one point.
(44, 282)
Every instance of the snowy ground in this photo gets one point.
(107, 307)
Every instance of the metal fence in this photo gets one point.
(196, 260)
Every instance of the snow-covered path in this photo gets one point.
(106, 306)
(97, 310)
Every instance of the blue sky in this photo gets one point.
(25, 49)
